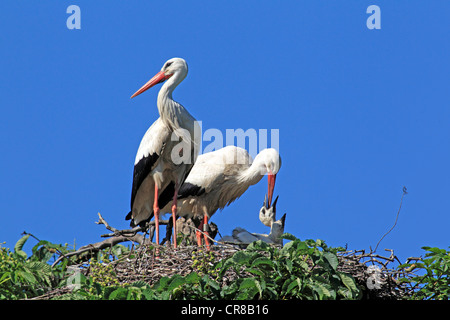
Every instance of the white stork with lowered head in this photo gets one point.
(220, 177)
(154, 167)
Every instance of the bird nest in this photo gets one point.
(372, 272)
(146, 266)
(376, 274)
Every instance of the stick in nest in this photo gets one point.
(396, 219)
(117, 236)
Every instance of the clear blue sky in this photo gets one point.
(361, 112)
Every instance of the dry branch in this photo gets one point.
(117, 236)
(396, 219)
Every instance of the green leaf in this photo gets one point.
(228, 292)
(320, 290)
(165, 295)
(211, 283)
(118, 294)
(289, 246)
(262, 260)
(348, 281)
(257, 272)
(258, 285)
(289, 265)
(149, 294)
(247, 283)
(162, 283)
(304, 266)
(253, 284)
(258, 245)
(288, 236)
(193, 277)
(436, 251)
(39, 267)
(139, 284)
(273, 294)
(28, 277)
(296, 283)
(19, 245)
(5, 277)
(332, 259)
(176, 282)
(241, 257)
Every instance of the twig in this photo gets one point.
(207, 235)
(61, 255)
(396, 219)
(117, 236)
(107, 243)
(126, 232)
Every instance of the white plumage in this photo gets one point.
(157, 165)
(220, 177)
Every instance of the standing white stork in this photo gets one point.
(220, 177)
(154, 167)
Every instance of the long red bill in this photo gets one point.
(271, 186)
(158, 78)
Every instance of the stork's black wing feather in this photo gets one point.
(190, 190)
(166, 195)
(141, 171)
(186, 190)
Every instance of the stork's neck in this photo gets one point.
(254, 173)
(171, 112)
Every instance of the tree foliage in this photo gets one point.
(433, 281)
(298, 270)
(23, 277)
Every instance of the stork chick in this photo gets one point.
(268, 217)
(241, 235)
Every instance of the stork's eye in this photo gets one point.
(168, 64)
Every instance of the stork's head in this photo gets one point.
(269, 162)
(267, 215)
(175, 67)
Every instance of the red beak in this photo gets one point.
(271, 185)
(158, 78)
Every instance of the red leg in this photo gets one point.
(156, 213)
(206, 233)
(174, 216)
(199, 234)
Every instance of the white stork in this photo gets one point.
(220, 177)
(154, 167)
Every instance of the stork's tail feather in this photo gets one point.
(134, 224)
(130, 217)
